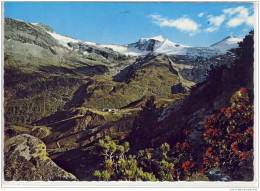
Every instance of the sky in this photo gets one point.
(194, 24)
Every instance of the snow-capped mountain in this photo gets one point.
(227, 44)
(144, 46)
(160, 44)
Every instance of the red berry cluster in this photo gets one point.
(229, 135)
(187, 165)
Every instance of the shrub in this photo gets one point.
(165, 164)
(169, 164)
(229, 135)
(116, 165)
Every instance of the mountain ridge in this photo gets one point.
(144, 46)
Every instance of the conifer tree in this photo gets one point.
(145, 124)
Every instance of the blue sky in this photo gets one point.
(194, 24)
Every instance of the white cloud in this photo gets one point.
(157, 18)
(217, 20)
(235, 22)
(211, 29)
(182, 24)
(200, 15)
(239, 16)
(250, 20)
(234, 16)
(232, 11)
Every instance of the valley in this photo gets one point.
(70, 94)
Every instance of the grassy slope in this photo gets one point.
(30, 94)
(151, 78)
(70, 103)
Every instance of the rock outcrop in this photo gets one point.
(26, 159)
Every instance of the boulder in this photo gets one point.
(25, 159)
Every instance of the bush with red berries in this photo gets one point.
(172, 164)
(183, 160)
(229, 135)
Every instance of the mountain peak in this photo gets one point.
(159, 38)
(228, 37)
(227, 43)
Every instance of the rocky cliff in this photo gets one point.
(26, 159)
